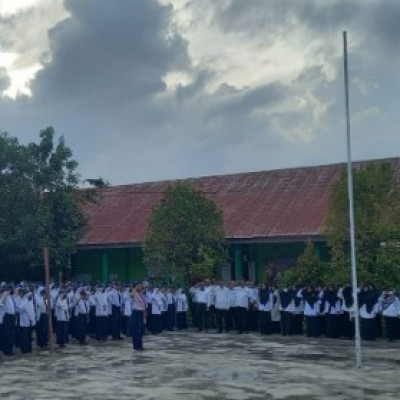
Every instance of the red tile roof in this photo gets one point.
(268, 205)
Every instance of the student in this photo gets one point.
(62, 317)
(222, 294)
(27, 321)
(156, 309)
(101, 313)
(138, 319)
(115, 318)
(287, 306)
(390, 306)
(202, 307)
(181, 307)
(127, 312)
(164, 309)
(345, 294)
(311, 310)
(368, 310)
(170, 297)
(42, 327)
(242, 307)
(82, 312)
(264, 306)
(332, 310)
(9, 322)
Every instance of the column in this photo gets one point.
(238, 262)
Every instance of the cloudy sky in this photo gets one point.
(157, 89)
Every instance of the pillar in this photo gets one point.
(238, 262)
(105, 267)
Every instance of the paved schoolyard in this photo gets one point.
(196, 366)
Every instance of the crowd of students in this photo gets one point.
(112, 311)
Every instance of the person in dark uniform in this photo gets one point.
(138, 318)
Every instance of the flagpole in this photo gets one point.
(351, 209)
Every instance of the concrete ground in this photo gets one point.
(196, 366)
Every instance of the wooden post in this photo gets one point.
(46, 254)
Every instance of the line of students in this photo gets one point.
(327, 311)
(110, 311)
(81, 311)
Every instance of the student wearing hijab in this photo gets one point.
(287, 305)
(101, 313)
(347, 306)
(390, 306)
(368, 310)
(311, 310)
(298, 315)
(264, 306)
(332, 311)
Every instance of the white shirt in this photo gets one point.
(62, 310)
(222, 298)
(242, 298)
(181, 302)
(101, 300)
(27, 313)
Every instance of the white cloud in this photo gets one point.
(24, 40)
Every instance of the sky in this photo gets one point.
(148, 90)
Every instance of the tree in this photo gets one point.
(309, 270)
(185, 237)
(377, 226)
(40, 205)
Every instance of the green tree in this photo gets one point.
(40, 205)
(309, 270)
(377, 226)
(185, 237)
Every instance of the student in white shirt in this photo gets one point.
(82, 313)
(62, 318)
(27, 321)
(222, 299)
(181, 307)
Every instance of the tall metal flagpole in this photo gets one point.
(351, 208)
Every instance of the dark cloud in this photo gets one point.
(244, 101)
(110, 51)
(104, 89)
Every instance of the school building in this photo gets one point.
(268, 217)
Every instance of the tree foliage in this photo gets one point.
(185, 236)
(309, 269)
(377, 226)
(39, 203)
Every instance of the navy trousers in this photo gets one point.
(42, 337)
(137, 328)
(8, 334)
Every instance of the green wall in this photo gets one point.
(102, 265)
(126, 264)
